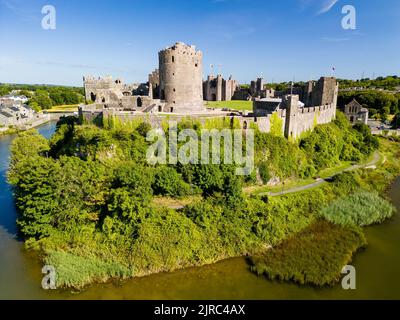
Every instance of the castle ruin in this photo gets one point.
(219, 89)
(177, 88)
(302, 109)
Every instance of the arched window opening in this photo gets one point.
(139, 102)
(92, 96)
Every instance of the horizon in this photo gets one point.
(114, 77)
(102, 38)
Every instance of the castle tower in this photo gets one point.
(154, 82)
(325, 92)
(307, 93)
(291, 103)
(181, 78)
(220, 81)
(259, 84)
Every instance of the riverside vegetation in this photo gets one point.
(85, 200)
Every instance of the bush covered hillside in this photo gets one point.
(86, 198)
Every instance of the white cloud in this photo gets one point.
(327, 6)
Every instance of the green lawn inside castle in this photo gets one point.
(86, 203)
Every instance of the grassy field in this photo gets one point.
(289, 184)
(234, 105)
(64, 108)
(330, 172)
(294, 183)
(173, 203)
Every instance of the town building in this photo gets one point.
(13, 99)
(356, 113)
(14, 113)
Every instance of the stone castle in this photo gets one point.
(219, 89)
(177, 89)
(306, 106)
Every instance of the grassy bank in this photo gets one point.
(314, 256)
(63, 108)
(233, 105)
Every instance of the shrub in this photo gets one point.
(346, 182)
(143, 128)
(264, 172)
(314, 256)
(75, 272)
(168, 182)
(359, 209)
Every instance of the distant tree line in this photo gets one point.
(390, 83)
(386, 83)
(42, 97)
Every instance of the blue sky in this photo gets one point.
(280, 40)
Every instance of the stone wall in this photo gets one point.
(103, 90)
(305, 119)
(154, 84)
(295, 121)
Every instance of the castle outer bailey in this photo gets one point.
(177, 89)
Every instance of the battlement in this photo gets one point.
(317, 108)
(107, 80)
(181, 48)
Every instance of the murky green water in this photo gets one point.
(378, 267)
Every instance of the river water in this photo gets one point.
(378, 267)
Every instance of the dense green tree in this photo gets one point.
(168, 182)
(264, 172)
(324, 146)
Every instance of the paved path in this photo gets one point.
(320, 181)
